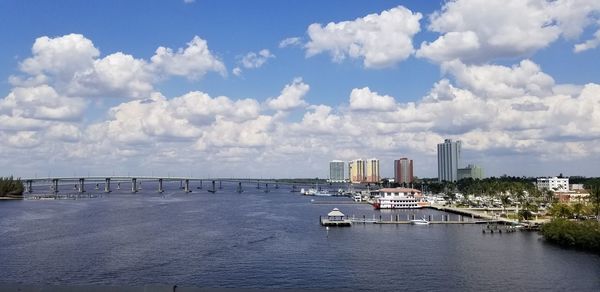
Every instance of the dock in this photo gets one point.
(335, 223)
(475, 214)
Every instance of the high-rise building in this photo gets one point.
(356, 171)
(336, 171)
(448, 155)
(403, 171)
(372, 171)
(471, 171)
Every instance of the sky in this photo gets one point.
(279, 88)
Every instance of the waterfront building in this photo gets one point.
(553, 183)
(372, 171)
(403, 171)
(336, 171)
(356, 171)
(448, 155)
(471, 171)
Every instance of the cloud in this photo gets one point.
(381, 40)
(192, 62)
(60, 57)
(365, 99)
(290, 97)
(589, 44)
(41, 103)
(71, 65)
(290, 42)
(117, 74)
(256, 60)
(477, 31)
(494, 81)
(514, 113)
(237, 71)
(253, 60)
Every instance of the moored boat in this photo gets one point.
(421, 221)
(398, 198)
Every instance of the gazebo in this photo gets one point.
(335, 218)
(335, 215)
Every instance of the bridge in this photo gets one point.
(136, 181)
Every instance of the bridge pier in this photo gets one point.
(187, 186)
(160, 185)
(55, 185)
(81, 187)
(107, 185)
(134, 185)
(213, 187)
(266, 188)
(220, 185)
(239, 189)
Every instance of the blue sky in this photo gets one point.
(232, 28)
(326, 114)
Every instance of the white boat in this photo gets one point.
(323, 193)
(315, 192)
(399, 198)
(421, 221)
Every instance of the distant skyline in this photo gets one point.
(280, 88)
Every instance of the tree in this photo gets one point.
(10, 187)
(577, 209)
(595, 198)
(561, 211)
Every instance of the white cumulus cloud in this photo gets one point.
(381, 40)
(291, 96)
(365, 99)
(483, 30)
(192, 62)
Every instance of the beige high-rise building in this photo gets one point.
(372, 171)
(356, 171)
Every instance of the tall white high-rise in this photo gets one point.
(448, 160)
(336, 171)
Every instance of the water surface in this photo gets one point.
(266, 240)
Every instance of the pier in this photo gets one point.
(475, 213)
(396, 219)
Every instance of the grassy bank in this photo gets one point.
(583, 235)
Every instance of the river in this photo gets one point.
(266, 240)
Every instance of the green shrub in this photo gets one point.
(10, 187)
(583, 234)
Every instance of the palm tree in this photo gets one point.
(548, 195)
(505, 201)
(595, 196)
